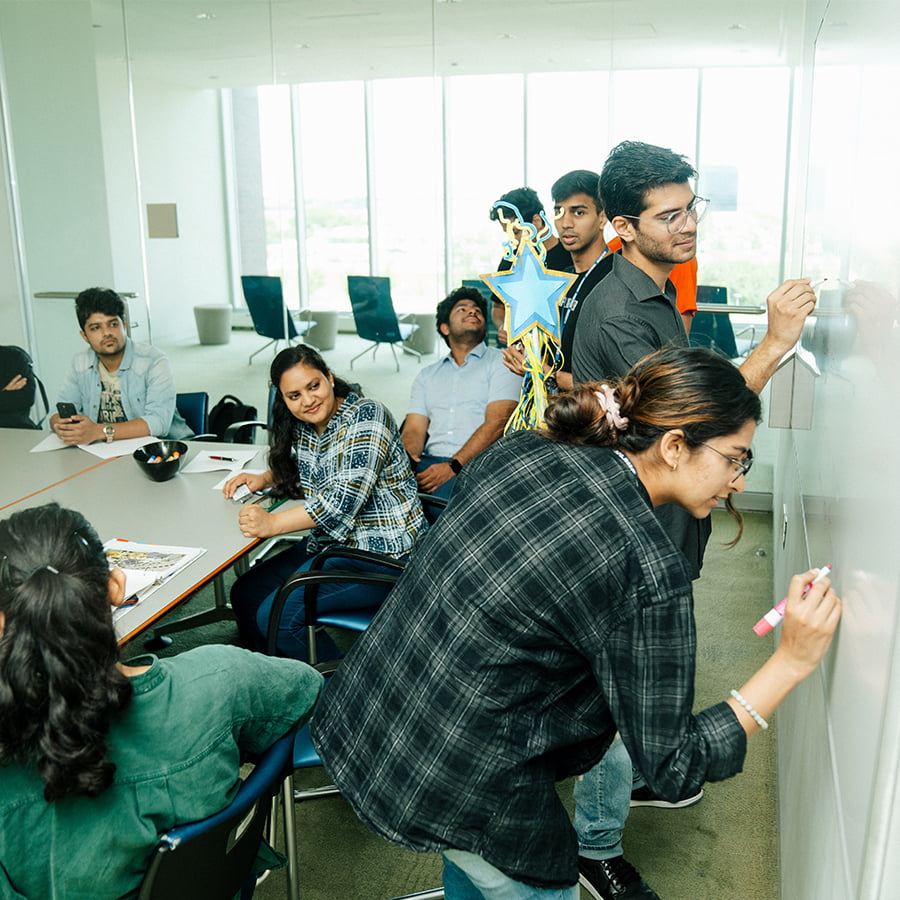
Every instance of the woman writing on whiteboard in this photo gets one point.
(342, 455)
(98, 757)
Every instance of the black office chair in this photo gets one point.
(193, 407)
(713, 330)
(270, 316)
(373, 313)
(214, 858)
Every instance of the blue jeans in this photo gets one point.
(468, 876)
(253, 593)
(602, 803)
(446, 488)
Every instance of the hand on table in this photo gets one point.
(256, 523)
(254, 483)
(78, 430)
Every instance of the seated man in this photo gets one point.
(458, 405)
(119, 388)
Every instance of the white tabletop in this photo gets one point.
(120, 501)
(23, 473)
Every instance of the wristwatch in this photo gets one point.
(455, 464)
(110, 433)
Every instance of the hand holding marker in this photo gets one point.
(774, 616)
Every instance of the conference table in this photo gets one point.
(120, 501)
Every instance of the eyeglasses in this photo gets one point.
(675, 222)
(743, 465)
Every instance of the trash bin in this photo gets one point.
(422, 339)
(324, 333)
(213, 324)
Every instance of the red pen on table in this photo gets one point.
(774, 616)
(223, 458)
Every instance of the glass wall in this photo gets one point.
(397, 175)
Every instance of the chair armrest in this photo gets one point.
(204, 437)
(339, 551)
(309, 579)
(232, 430)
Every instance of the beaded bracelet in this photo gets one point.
(756, 716)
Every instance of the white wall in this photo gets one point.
(55, 123)
(838, 747)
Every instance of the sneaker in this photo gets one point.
(613, 879)
(643, 796)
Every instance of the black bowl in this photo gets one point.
(167, 462)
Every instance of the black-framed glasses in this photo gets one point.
(675, 222)
(743, 465)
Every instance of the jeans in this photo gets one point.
(253, 593)
(602, 803)
(446, 488)
(468, 876)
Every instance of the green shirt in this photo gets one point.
(177, 749)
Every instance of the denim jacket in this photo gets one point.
(148, 389)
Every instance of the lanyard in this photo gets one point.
(572, 302)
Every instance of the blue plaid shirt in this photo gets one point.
(358, 485)
(546, 609)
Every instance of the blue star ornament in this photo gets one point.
(531, 292)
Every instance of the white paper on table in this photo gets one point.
(51, 442)
(118, 448)
(210, 460)
(254, 471)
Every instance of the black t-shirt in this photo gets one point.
(574, 303)
(558, 258)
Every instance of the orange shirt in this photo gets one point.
(683, 276)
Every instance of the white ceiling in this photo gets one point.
(216, 43)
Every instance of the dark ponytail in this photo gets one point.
(59, 682)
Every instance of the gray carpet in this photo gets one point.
(724, 847)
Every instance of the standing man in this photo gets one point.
(120, 389)
(632, 312)
(580, 221)
(526, 200)
(458, 405)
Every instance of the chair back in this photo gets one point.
(193, 407)
(713, 330)
(214, 858)
(373, 310)
(265, 301)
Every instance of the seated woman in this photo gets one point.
(342, 454)
(98, 757)
(547, 611)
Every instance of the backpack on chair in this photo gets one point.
(228, 411)
(15, 405)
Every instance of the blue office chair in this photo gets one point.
(713, 330)
(270, 316)
(304, 753)
(373, 313)
(193, 407)
(214, 858)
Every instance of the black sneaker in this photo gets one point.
(613, 879)
(643, 796)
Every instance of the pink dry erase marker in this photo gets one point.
(774, 616)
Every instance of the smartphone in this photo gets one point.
(66, 410)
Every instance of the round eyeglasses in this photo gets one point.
(677, 221)
(743, 465)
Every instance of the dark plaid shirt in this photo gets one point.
(546, 609)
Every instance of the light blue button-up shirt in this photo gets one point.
(454, 398)
(148, 389)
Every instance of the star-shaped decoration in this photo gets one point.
(531, 293)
